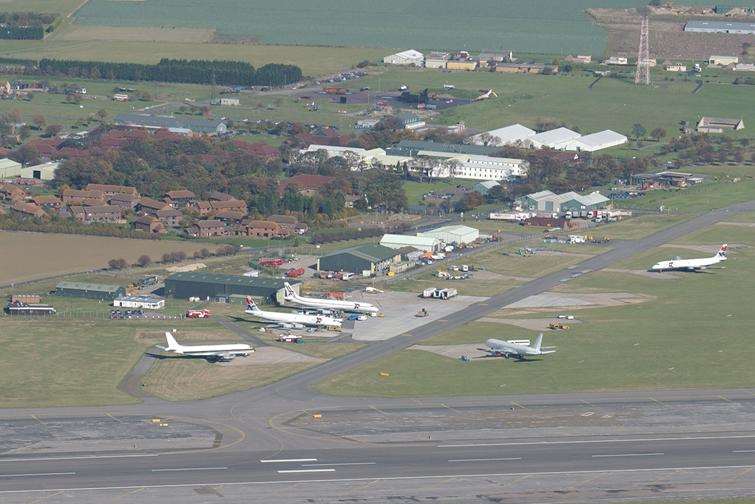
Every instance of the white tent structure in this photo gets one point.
(410, 57)
(596, 141)
(508, 135)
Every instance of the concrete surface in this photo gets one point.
(271, 355)
(561, 300)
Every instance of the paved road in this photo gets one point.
(380, 462)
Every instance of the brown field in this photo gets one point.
(29, 256)
(145, 34)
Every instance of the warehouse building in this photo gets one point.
(101, 292)
(361, 259)
(508, 135)
(397, 241)
(9, 168)
(550, 203)
(595, 141)
(453, 235)
(735, 28)
(554, 138)
(719, 124)
(406, 58)
(214, 286)
(44, 171)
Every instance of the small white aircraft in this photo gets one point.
(518, 349)
(328, 304)
(291, 320)
(691, 264)
(210, 352)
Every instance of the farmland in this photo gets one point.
(28, 256)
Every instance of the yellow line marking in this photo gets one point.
(116, 419)
(379, 410)
(724, 398)
(656, 401)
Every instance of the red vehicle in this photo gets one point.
(198, 314)
(339, 295)
(295, 272)
(272, 262)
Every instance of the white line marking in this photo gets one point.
(82, 457)
(340, 464)
(591, 441)
(29, 475)
(283, 461)
(378, 478)
(485, 459)
(190, 469)
(655, 454)
(743, 451)
(295, 471)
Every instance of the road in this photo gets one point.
(253, 413)
(381, 462)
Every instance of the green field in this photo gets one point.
(694, 332)
(54, 6)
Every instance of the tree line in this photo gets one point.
(229, 73)
(25, 25)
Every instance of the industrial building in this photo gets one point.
(215, 286)
(9, 168)
(406, 58)
(552, 203)
(364, 258)
(553, 138)
(397, 241)
(508, 135)
(595, 141)
(719, 124)
(486, 186)
(44, 171)
(719, 60)
(140, 302)
(736, 28)
(100, 292)
(437, 60)
(471, 166)
(453, 235)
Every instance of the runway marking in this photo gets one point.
(743, 451)
(724, 398)
(379, 410)
(295, 471)
(654, 454)
(284, 461)
(376, 478)
(30, 475)
(593, 441)
(80, 457)
(177, 469)
(340, 464)
(486, 459)
(656, 401)
(111, 416)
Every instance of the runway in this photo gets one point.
(420, 461)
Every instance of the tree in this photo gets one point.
(26, 154)
(657, 134)
(143, 261)
(53, 130)
(39, 121)
(639, 131)
(101, 114)
(117, 264)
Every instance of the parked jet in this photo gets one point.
(518, 349)
(291, 320)
(210, 352)
(691, 264)
(329, 304)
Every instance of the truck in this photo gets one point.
(198, 314)
(295, 272)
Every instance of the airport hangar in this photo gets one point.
(217, 286)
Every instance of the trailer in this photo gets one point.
(19, 308)
(435, 293)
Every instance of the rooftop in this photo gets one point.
(368, 252)
(424, 241)
(719, 25)
(553, 137)
(412, 147)
(217, 278)
(601, 138)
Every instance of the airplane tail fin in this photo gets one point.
(172, 343)
(289, 290)
(539, 341)
(251, 305)
(722, 251)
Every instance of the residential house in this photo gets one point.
(112, 190)
(170, 217)
(219, 196)
(718, 124)
(149, 224)
(203, 208)
(207, 228)
(306, 184)
(149, 206)
(229, 215)
(82, 197)
(125, 201)
(291, 223)
(262, 229)
(180, 198)
(237, 206)
(99, 213)
(27, 210)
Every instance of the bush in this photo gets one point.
(117, 264)
(227, 250)
(144, 260)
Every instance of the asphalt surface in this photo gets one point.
(380, 462)
(252, 422)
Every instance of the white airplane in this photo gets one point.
(691, 264)
(328, 304)
(518, 349)
(291, 320)
(210, 352)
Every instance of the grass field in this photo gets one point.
(53, 6)
(29, 256)
(624, 347)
